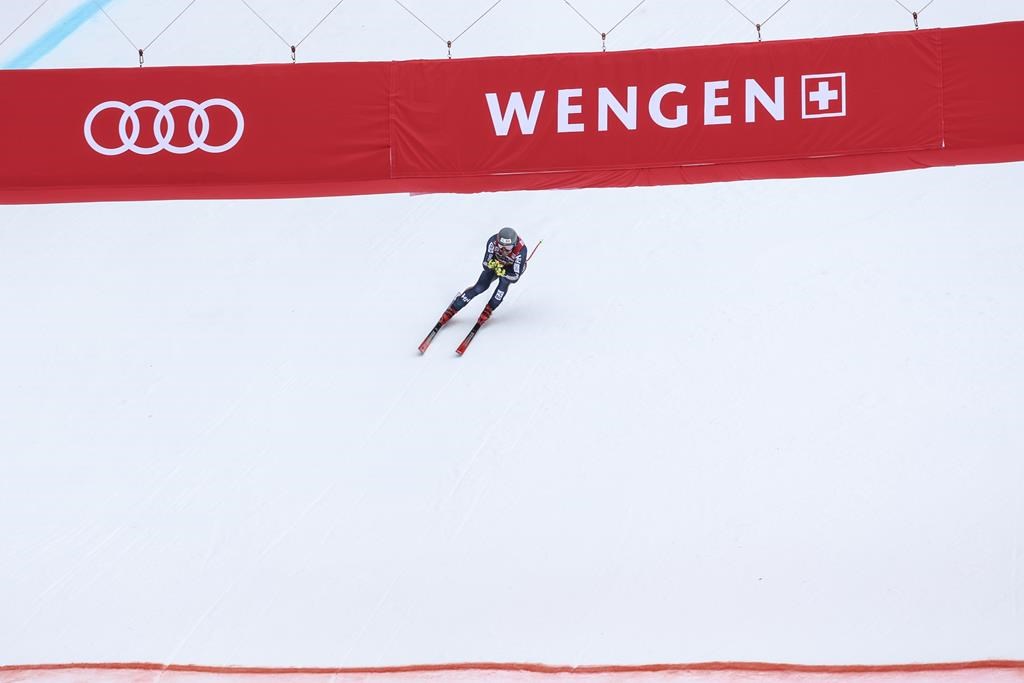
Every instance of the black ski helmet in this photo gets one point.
(507, 238)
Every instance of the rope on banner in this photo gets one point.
(23, 22)
(121, 31)
(757, 25)
(315, 27)
(142, 50)
(293, 47)
(912, 13)
(449, 43)
(439, 36)
(162, 31)
(272, 29)
(604, 34)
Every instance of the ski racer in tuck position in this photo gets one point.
(505, 261)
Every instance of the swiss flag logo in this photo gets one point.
(824, 95)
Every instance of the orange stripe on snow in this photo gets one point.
(994, 664)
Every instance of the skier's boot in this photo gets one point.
(447, 315)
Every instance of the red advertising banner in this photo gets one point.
(816, 107)
(662, 108)
(237, 131)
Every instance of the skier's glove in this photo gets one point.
(495, 265)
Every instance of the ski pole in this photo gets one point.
(534, 251)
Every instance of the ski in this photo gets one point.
(472, 333)
(465, 342)
(445, 317)
(430, 337)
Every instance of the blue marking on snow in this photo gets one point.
(45, 43)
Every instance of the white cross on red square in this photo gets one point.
(824, 95)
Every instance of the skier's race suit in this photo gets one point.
(507, 267)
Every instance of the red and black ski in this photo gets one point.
(472, 333)
(445, 317)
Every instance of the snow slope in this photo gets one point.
(764, 421)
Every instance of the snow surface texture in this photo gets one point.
(762, 421)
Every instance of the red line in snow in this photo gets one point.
(538, 668)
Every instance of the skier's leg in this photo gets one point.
(495, 301)
(482, 283)
(499, 294)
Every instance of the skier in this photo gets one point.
(505, 261)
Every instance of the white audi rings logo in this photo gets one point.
(163, 126)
